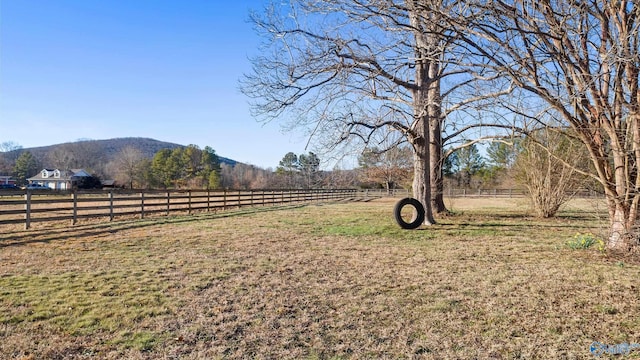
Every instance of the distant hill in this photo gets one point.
(95, 154)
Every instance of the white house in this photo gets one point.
(59, 179)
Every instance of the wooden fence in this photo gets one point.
(29, 206)
(26, 207)
(484, 193)
(508, 193)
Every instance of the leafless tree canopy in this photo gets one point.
(349, 70)
(550, 165)
(389, 168)
(581, 58)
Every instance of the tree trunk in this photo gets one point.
(422, 178)
(436, 163)
(427, 105)
(621, 234)
(622, 214)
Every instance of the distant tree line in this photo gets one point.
(549, 164)
(173, 167)
(186, 167)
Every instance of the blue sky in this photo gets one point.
(163, 69)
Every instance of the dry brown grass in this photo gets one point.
(317, 282)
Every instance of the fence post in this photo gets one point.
(27, 210)
(189, 202)
(208, 200)
(224, 200)
(74, 196)
(111, 205)
(142, 205)
(168, 202)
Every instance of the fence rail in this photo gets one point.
(27, 207)
(30, 206)
(580, 193)
(486, 193)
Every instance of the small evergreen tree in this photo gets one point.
(288, 168)
(468, 163)
(210, 172)
(161, 173)
(26, 167)
(309, 167)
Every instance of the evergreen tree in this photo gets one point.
(175, 167)
(26, 167)
(192, 160)
(210, 171)
(288, 168)
(502, 155)
(160, 170)
(469, 163)
(214, 180)
(289, 163)
(309, 167)
(450, 166)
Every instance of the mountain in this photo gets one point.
(95, 154)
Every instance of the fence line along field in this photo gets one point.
(318, 281)
(28, 207)
(45, 206)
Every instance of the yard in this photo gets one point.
(337, 281)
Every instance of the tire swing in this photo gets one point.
(418, 213)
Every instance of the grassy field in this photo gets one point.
(337, 281)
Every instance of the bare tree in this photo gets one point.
(62, 157)
(9, 150)
(391, 167)
(340, 178)
(128, 166)
(348, 69)
(244, 176)
(226, 175)
(550, 164)
(583, 59)
(83, 154)
(8, 156)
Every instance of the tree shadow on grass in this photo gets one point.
(512, 226)
(513, 221)
(19, 238)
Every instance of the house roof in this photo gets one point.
(65, 175)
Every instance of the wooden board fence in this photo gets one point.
(41, 206)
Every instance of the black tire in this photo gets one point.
(419, 213)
